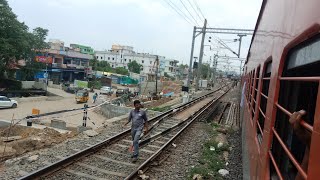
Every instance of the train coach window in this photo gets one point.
(255, 91)
(251, 93)
(298, 90)
(263, 97)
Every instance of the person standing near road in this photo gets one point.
(95, 96)
(139, 122)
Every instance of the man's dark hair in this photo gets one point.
(136, 102)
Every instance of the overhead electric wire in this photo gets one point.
(189, 12)
(195, 2)
(181, 13)
(216, 38)
(195, 10)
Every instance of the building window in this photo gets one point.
(108, 58)
(150, 62)
(125, 60)
(142, 61)
(129, 60)
(112, 58)
(101, 57)
(112, 65)
(97, 57)
(121, 55)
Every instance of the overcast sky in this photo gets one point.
(150, 26)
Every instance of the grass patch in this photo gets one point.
(161, 109)
(210, 161)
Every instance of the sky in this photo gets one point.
(150, 26)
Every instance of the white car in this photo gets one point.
(106, 90)
(7, 103)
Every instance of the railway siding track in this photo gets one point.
(109, 159)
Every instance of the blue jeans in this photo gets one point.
(135, 133)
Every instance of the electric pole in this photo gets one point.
(201, 54)
(240, 39)
(215, 63)
(209, 70)
(157, 64)
(191, 57)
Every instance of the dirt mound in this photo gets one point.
(31, 139)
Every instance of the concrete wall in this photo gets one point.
(111, 111)
(55, 86)
(27, 84)
(33, 84)
(40, 85)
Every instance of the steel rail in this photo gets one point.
(157, 153)
(49, 169)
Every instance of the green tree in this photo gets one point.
(134, 67)
(37, 45)
(121, 70)
(204, 70)
(16, 42)
(101, 65)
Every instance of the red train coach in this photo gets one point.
(281, 76)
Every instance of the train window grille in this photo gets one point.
(299, 86)
(255, 92)
(249, 89)
(248, 86)
(251, 95)
(262, 100)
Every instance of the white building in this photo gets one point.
(171, 67)
(120, 56)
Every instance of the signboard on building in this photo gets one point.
(44, 59)
(81, 84)
(39, 75)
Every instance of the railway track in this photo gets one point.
(109, 159)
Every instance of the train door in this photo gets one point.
(299, 89)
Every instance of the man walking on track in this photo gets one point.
(139, 122)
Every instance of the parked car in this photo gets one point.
(106, 90)
(7, 103)
(121, 92)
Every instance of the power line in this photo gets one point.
(195, 10)
(181, 13)
(189, 12)
(217, 38)
(195, 2)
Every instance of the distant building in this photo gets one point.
(171, 67)
(120, 56)
(66, 63)
(83, 49)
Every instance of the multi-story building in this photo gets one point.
(120, 56)
(83, 49)
(67, 63)
(171, 67)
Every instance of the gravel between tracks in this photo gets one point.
(182, 158)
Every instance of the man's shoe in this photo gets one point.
(135, 159)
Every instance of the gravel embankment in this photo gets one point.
(235, 156)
